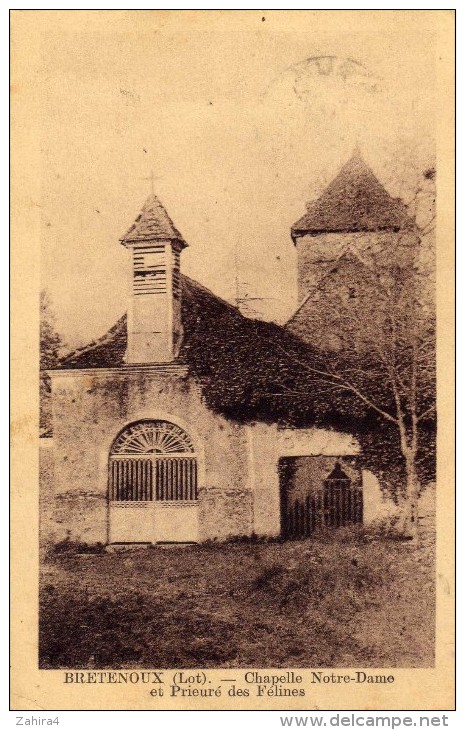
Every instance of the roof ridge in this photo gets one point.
(102, 340)
(205, 289)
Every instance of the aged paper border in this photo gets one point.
(34, 689)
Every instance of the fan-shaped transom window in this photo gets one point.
(153, 437)
(152, 461)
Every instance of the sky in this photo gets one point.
(240, 130)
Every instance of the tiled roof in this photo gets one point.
(107, 351)
(248, 369)
(354, 201)
(152, 224)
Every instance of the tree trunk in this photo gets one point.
(410, 511)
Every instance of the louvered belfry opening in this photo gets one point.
(153, 461)
(149, 269)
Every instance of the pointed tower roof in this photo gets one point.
(354, 201)
(152, 224)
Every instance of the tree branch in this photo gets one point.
(425, 413)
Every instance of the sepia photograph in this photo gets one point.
(238, 244)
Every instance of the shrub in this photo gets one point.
(76, 547)
(267, 576)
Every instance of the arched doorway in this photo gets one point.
(153, 484)
(319, 492)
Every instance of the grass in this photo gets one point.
(342, 601)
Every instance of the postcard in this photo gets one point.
(232, 364)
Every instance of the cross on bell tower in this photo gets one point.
(151, 178)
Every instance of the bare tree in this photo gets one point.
(372, 319)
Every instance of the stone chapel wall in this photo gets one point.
(91, 407)
(47, 525)
(238, 477)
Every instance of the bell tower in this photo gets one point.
(154, 312)
(354, 214)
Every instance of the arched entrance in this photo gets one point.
(153, 484)
(319, 492)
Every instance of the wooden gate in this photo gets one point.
(153, 485)
(142, 479)
(336, 503)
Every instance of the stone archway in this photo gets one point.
(152, 485)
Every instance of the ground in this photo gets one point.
(347, 599)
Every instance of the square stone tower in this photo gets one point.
(354, 215)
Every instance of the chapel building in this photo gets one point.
(188, 421)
